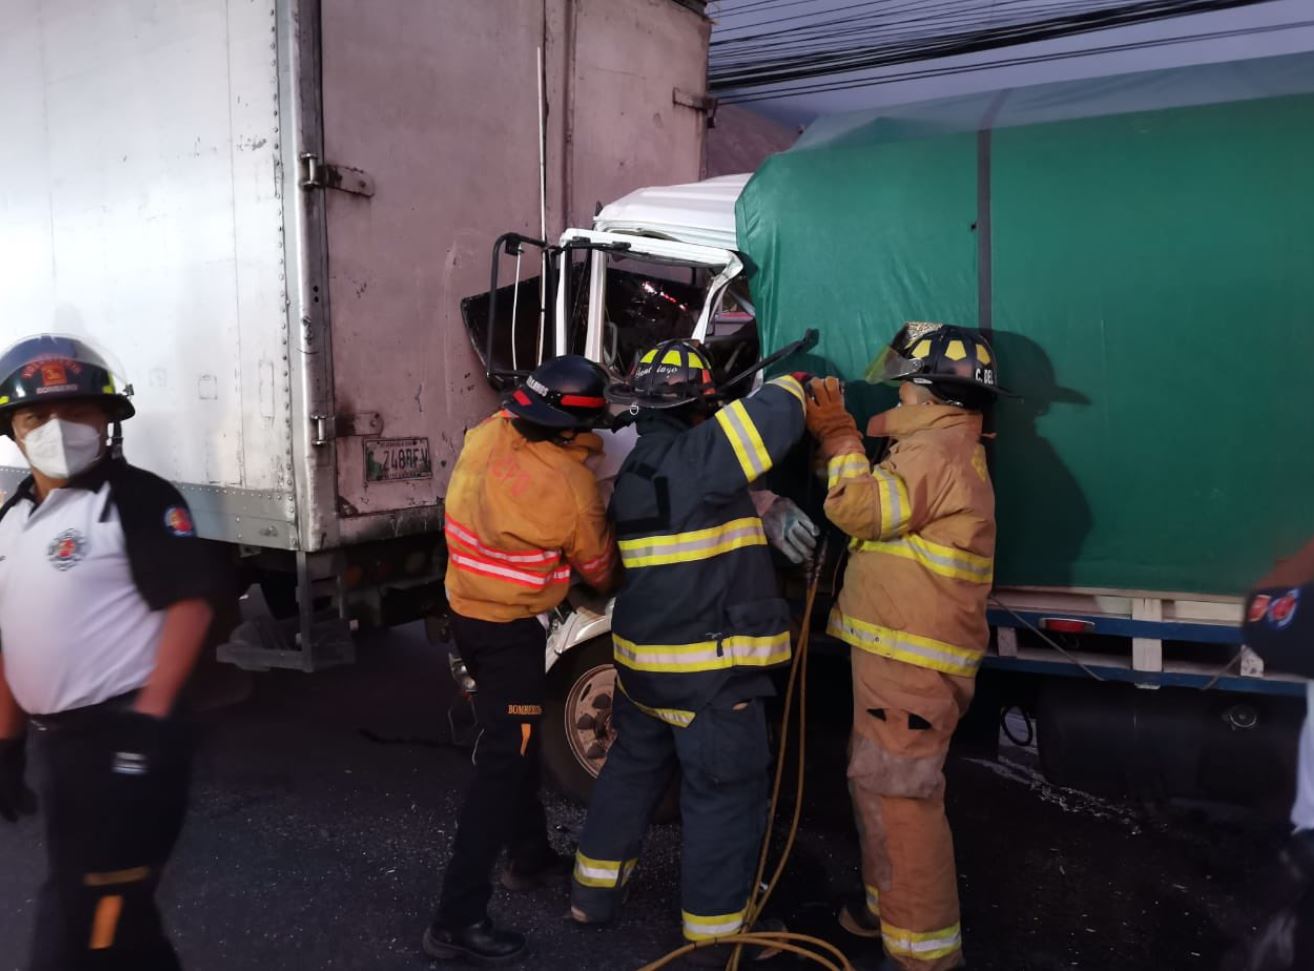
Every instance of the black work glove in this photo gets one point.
(16, 799)
(135, 742)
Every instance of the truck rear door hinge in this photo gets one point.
(328, 428)
(698, 102)
(318, 174)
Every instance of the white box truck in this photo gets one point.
(270, 211)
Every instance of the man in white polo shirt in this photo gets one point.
(102, 618)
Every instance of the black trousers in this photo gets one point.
(109, 831)
(502, 808)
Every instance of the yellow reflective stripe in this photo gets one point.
(698, 928)
(744, 439)
(790, 384)
(604, 874)
(850, 465)
(873, 900)
(738, 650)
(700, 544)
(673, 357)
(896, 509)
(649, 357)
(925, 946)
(943, 560)
(672, 716)
(925, 652)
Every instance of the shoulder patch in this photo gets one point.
(178, 521)
(1283, 610)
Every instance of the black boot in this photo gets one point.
(552, 870)
(858, 920)
(718, 955)
(481, 943)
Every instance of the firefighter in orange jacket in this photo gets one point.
(522, 510)
(913, 609)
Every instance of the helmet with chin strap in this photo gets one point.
(956, 364)
(673, 374)
(52, 367)
(563, 393)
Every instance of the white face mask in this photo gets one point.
(61, 449)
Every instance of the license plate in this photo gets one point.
(389, 459)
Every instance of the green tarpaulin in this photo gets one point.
(1142, 249)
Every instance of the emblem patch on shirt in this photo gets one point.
(178, 521)
(67, 549)
(1283, 611)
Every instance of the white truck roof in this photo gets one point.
(702, 213)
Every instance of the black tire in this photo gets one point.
(574, 676)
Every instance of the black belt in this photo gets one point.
(88, 715)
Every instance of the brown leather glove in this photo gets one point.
(833, 427)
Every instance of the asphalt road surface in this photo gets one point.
(324, 806)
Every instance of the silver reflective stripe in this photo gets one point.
(791, 384)
(695, 545)
(850, 465)
(705, 655)
(669, 657)
(873, 900)
(672, 716)
(890, 485)
(925, 946)
(943, 560)
(738, 419)
(701, 928)
(923, 651)
(598, 873)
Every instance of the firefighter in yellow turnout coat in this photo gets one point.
(522, 511)
(913, 610)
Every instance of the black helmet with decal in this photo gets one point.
(672, 374)
(565, 392)
(54, 367)
(956, 363)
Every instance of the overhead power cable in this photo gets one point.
(849, 82)
(870, 34)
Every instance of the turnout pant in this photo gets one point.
(903, 719)
(109, 831)
(723, 757)
(501, 807)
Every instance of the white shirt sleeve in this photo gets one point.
(1302, 813)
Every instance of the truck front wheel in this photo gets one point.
(577, 731)
(577, 725)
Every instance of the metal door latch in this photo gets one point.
(703, 103)
(318, 174)
(328, 428)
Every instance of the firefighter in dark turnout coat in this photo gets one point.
(697, 624)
